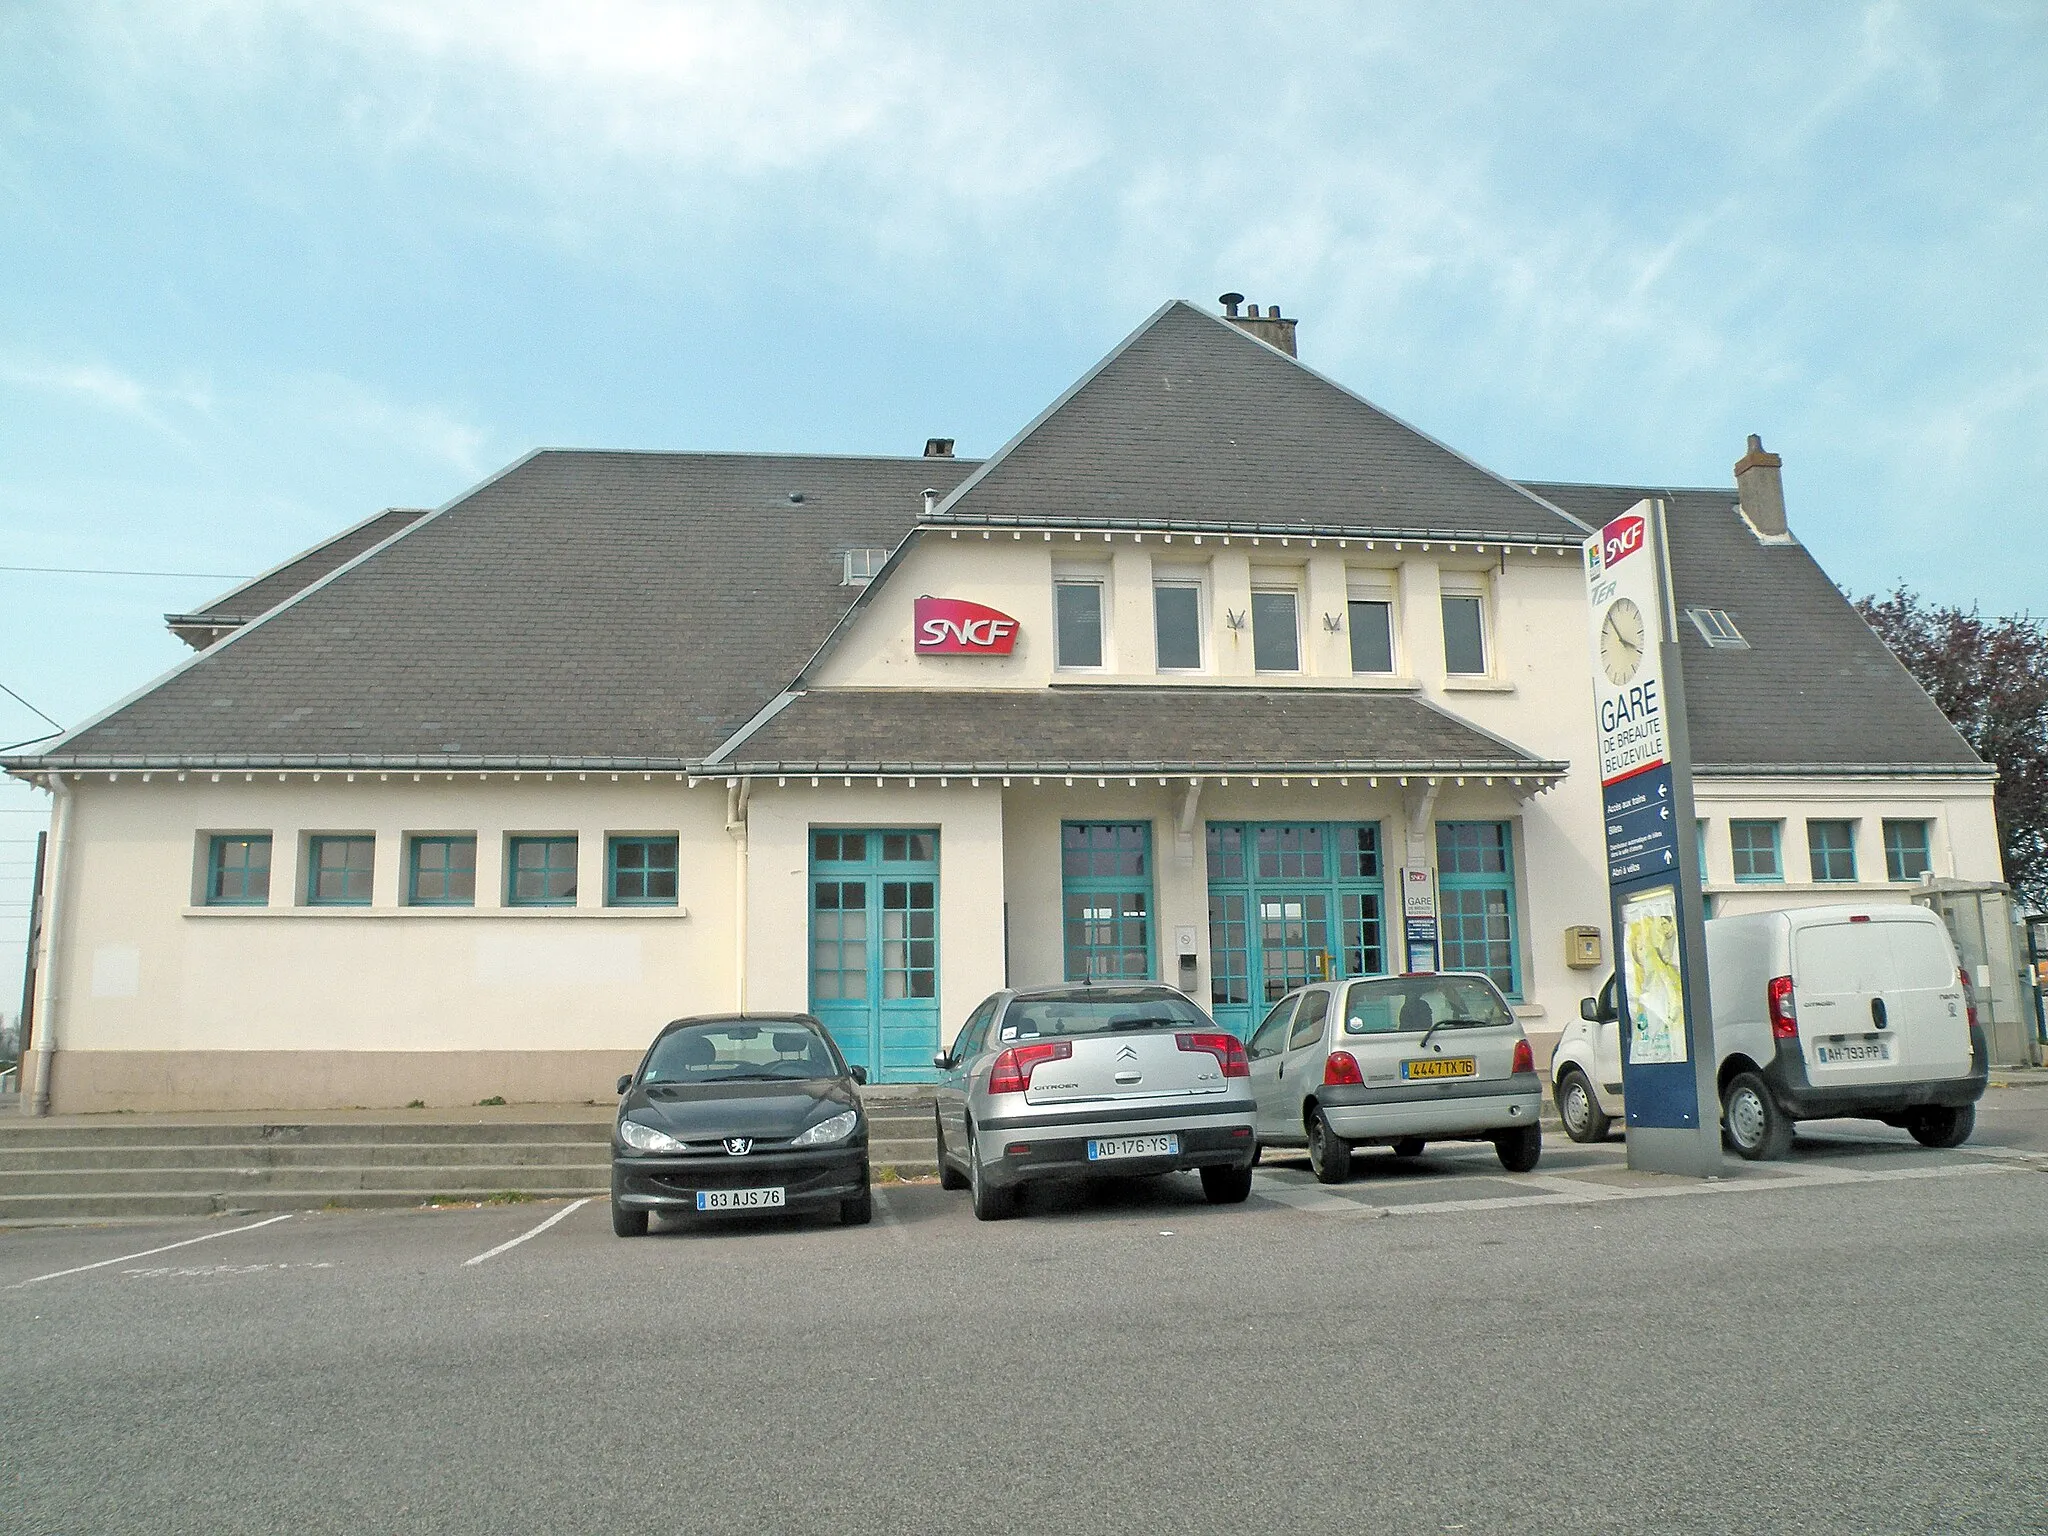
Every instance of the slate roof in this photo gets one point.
(1192, 423)
(621, 608)
(256, 597)
(1122, 729)
(1817, 690)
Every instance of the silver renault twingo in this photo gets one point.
(1080, 1081)
(1397, 1061)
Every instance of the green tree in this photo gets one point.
(1990, 677)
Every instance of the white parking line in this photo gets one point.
(888, 1214)
(59, 1274)
(536, 1232)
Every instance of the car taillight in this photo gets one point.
(1012, 1071)
(1525, 1059)
(1969, 995)
(1340, 1068)
(1227, 1049)
(1784, 1016)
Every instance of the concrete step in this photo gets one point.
(314, 1183)
(157, 1133)
(295, 1154)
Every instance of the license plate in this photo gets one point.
(1858, 1053)
(738, 1199)
(1133, 1146)
(1441, 1066)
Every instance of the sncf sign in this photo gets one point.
(951, 626)
(1619, 539)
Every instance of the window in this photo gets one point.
(1372, 635)
(641, 872)
(1717, 629)
(1905, 850)
(1700, 827)
(1754, 845)
(238, 871)
(1106, 894)
(1276, 638)
(862, 566)
(1077, 623)
(1831, 846)
(1308, 1024)
(338, 871)
(1177, 622)
(1464, 635)
(541, 872)
(443, 872)
(1267, 1039)
(1476, 899)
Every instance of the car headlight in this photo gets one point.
(645, 1138)
(838, 1128)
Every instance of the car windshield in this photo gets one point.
(1410, 1004)
(1030, 1018)
(736, 1052)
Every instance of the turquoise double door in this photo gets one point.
(875, 947)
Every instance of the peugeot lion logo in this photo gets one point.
(739, 1146)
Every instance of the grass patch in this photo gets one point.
(416, 1104)
(496, 1098)
(508, 1197)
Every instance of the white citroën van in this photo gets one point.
(1818, 1012)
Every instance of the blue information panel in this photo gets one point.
(1642, 834)
(1642, 871)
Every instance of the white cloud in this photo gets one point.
(348, 409)
(110, 389)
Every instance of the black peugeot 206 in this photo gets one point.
(742, 1112)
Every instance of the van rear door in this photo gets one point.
(1923, 997)
(1872, 998)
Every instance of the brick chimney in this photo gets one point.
(1269, 327)
(1761, 489)
(938, 447)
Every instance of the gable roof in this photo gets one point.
(1191, 423)
(256, 597)
(1816, 690)
(624, 609)
(1124, 729)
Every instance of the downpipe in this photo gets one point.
(737, 793)
(61, 793)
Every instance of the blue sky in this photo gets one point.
(271, 267)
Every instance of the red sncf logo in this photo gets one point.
(1620, 538)
(952, 626)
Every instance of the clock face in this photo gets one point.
(1621, 641)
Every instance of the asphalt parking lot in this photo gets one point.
(1848, 1341)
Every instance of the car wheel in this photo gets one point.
(949, 1176)
(1751, 1120)
(1579, 1109)
(990, 1203)
(1329, 1154)
(627, 1223)
(1226, 1186)
(1519, 1150)
(1943, 1127)
(857, 1210)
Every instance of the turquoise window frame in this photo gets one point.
(1455, 840)
(619, 877)
(1743, 849)
(1822, 860)
(552, 863)
(250, 883)
(1701, 827)
(417, 864)
(1896, 848)
(1114, 920)
(358, 881)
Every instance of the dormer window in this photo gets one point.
(863, 566)
(1717, 629)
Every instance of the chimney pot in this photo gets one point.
(1230, 301)
(1268, 327)
(938, 447)
(1760, 487)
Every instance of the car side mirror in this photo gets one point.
(942, 1061)
(625, 1083)
(1589, 1009)
(859, 1074)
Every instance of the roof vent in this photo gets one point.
(938, 447)
(1269, 327)
(796, 498)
